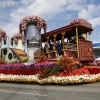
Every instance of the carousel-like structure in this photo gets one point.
(79, 47)
(29, 61)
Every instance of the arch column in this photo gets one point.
(77, 42)
(54, 47)
(47, 39)
(47, 49)
(89, 33)
(63, 33)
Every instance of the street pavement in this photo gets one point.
(16, 91)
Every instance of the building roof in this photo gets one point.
(96, 45)
(69, 30)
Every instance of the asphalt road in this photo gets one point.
(14, 91)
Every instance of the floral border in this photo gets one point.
(16, 37)
(32, 19)
(79, 21)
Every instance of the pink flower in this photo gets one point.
(3, 35)
(35, 19)
(16, 37)
(79, 21)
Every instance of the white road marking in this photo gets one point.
(23, 93)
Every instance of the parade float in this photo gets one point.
(76, 65)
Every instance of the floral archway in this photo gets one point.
(80, 21)
(3, 35)
(17, 36)
(32, 19)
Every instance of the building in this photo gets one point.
(96, 48)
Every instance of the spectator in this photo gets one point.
(81, 37)
(70, 40)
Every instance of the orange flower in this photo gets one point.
(1, 61)
(42, 58)
(67, 55)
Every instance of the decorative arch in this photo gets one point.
(80, 21)
(32, 19)
(15, 38)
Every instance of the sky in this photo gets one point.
(56, 13)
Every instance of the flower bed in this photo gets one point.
(51, 79)
(32, 76)
(21, 69)
(64, 71)
(94, 70)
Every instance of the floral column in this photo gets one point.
(4, 37)
(31, 26)
(19, 41)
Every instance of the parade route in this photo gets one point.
(14, 91)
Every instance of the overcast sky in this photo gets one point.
(56, 13)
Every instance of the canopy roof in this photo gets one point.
(70, 30)
(80, 21)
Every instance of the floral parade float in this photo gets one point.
(64, 70)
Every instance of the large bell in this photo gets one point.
(33, 38)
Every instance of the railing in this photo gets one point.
(70, 46)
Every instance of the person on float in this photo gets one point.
(51, 48)
(59, 48)
(46, 48)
